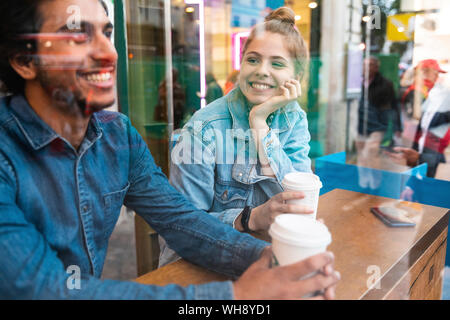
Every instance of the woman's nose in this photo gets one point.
(263, 70)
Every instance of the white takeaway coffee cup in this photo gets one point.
(295, 238)
(309, 184)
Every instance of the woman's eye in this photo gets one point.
(278, 64)
(252, 60)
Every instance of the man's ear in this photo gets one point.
(24, 66)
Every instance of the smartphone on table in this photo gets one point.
(393, 217)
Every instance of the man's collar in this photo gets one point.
(38, 133)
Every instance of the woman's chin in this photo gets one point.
(258, 99)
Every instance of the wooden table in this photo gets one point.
(375, 261)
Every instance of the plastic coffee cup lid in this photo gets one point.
(302, 181)
(301, 231)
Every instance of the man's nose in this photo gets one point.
(104, 50)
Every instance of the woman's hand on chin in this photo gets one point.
(290, 91)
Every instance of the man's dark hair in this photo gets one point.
(18, 17)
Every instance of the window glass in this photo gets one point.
(373, 65)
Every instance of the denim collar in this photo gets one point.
(239, 110)
(38, 133)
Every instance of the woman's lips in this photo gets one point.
(260, 86)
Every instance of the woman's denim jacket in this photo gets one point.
(214, 163)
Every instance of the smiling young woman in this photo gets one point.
(252, 137)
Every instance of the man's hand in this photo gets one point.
(260, 282)
(263, 216)
(410, 155)
(291, 91)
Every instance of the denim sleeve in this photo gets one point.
(192, 169)
(293, 154)
(192, 233)
(31, 269)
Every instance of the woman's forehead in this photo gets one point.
(269, 43)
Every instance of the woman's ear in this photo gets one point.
(24, 66)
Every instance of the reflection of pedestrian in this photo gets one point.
(160, 113)
(406, 86)
(382, 114)
(232, 80)
(214, 91)
(433, 133)
(379, 118)
(424, 76)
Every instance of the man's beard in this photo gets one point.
(70, 101)
(73, 103)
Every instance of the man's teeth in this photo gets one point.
(98, 77)
(260, 86)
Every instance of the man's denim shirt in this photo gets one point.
(59, 206)
(215, 161)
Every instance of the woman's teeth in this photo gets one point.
(98, 77)
(260, 86)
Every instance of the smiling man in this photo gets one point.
(73, 74)
(67, 167)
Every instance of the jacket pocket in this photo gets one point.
(112, 203)
(230, 195)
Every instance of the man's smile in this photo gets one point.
(100, 78)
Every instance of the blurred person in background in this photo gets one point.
(379, 114)
(418, 82)
(231, 82)
(179, 102)
(379, 122)
(214, 91)
(433, 135)
(407, 100)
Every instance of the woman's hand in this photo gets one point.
(290, 91)
(262, 216)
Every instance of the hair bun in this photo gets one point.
(283, 14)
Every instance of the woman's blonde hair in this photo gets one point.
(282, 21)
